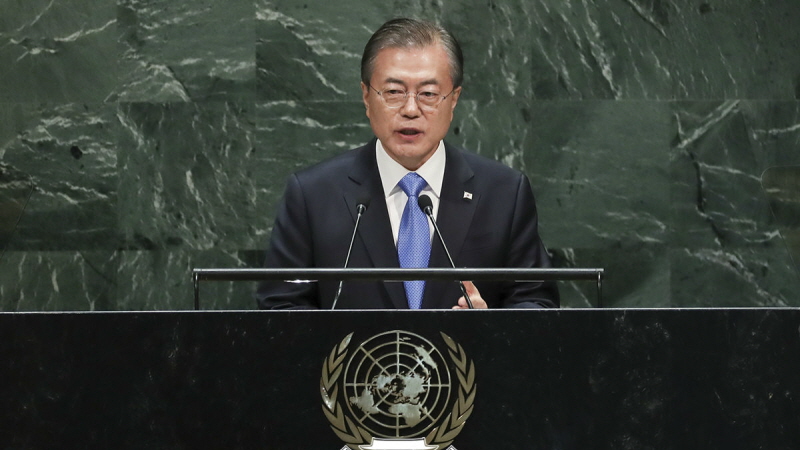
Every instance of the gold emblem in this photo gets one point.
(396, 391)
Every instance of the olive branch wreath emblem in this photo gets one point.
(355, 435)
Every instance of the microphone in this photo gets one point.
(426, 205)
(361, 207)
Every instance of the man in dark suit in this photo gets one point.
(411, 75)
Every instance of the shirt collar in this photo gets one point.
(392, 172)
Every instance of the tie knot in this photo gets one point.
(412, 184)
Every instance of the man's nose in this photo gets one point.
(410, 107)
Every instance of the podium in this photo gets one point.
(396, 274)
(528, 379)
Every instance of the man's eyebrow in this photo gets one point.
(427, 82)
(422, 83)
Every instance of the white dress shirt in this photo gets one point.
(392, 172)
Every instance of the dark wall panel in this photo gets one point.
(141, 138)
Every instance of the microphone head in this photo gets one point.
(425, 204)
(362, 202)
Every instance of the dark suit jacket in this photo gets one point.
(315, 219)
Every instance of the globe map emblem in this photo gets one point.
(397, 384)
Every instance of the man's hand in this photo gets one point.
(474, 296)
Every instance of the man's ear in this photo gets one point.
(456, 94)
(364, 95)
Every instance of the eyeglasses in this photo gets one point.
(395, 98)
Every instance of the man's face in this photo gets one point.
(410, 134)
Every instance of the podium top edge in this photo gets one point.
(397, 274)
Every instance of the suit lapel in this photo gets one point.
(454, 218)
(374, 231)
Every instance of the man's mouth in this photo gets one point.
(409, 131)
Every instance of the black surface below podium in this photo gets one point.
(555, 379)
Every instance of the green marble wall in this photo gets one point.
(141, 138)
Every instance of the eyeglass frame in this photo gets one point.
(442, 98)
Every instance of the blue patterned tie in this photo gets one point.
(414, 238)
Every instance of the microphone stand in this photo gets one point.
(427, 207)
(360, 208)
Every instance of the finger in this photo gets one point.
(475, 297)
(471, 289)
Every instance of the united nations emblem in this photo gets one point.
(395, 391)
